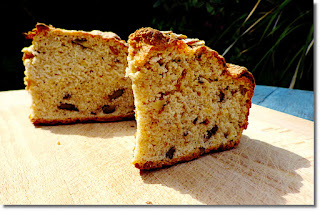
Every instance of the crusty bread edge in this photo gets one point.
(159, 41)
(43, 28)
(193, 155)
(41, 121)
(242, 74)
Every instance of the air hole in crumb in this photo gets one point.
(186, 133)
(243, 90)
(195, 121)
(234, 91)
(200, 80)
(205, 122)
(198, 55)
(160, 62)
(221, 96)
(67, 96)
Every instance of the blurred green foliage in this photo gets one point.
(272, 38)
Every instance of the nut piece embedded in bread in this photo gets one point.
(188, 100)
(76, 76)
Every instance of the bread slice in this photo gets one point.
(77, 76)
(188, 100)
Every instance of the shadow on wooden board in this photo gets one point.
(102, 130)
(254, 173)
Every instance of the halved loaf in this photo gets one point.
(77, 76)
(188, 100)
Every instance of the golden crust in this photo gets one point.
(81, 120)
(40, 28)
(149, 36)
(43, 28)
(163, 163)
(160, 40)
(242, 73)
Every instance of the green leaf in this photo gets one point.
(157, 4)
(210, 8)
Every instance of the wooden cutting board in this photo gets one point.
(91, 163)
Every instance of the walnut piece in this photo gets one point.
(211, 132)
(118, 93)
(68, 106)
(82, 42)
(170, 152)
(108, 109)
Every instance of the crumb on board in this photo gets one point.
(58, 143)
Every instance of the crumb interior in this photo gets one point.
(184, 104)
(75, 75)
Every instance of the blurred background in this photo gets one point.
(273, 39)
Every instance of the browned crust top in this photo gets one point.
(240, 72)
(42, 28)
(149, 36)
(161, 40)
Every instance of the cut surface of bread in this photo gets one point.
(188, 100)
(76, 76)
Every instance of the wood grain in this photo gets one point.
(91, 164)
(295, 102)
